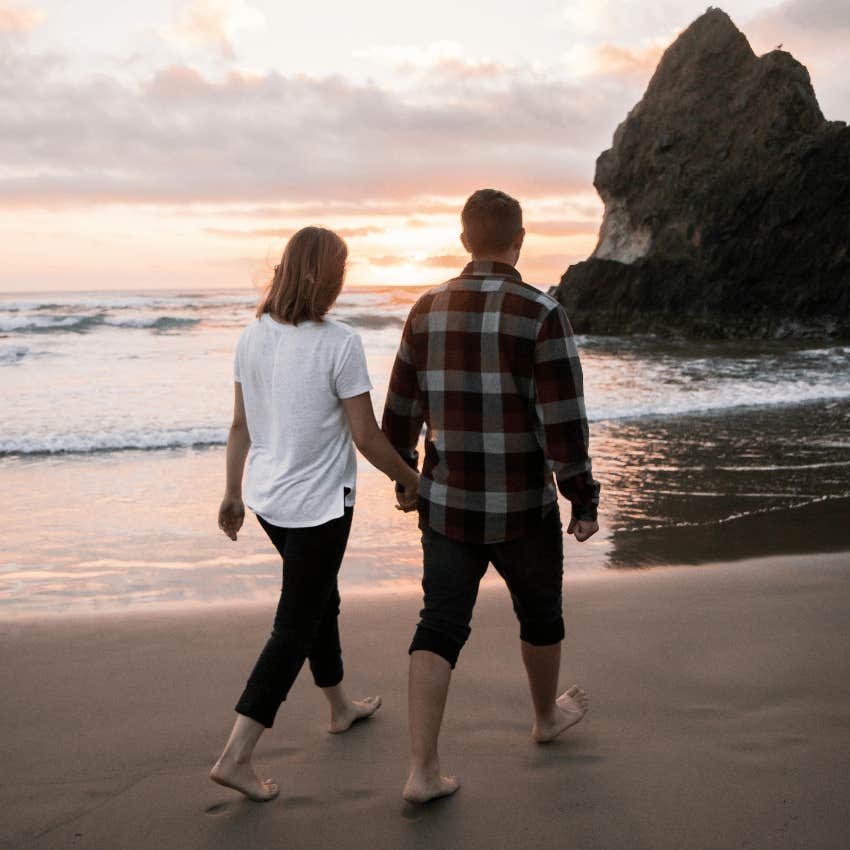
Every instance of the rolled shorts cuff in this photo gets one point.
(436, 642)
(543, 634)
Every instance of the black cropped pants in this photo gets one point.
(532, 567)
(305, 625)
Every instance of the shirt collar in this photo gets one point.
(486, 268)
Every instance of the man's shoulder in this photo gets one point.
(531, 293)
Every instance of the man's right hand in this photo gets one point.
(581, 529)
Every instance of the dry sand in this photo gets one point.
(720, 718)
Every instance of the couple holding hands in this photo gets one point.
(489, 365)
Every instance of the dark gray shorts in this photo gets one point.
(532, 567)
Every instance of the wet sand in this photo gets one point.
(719, 719)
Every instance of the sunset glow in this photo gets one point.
(179, 149)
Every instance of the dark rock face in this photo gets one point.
(727, 202)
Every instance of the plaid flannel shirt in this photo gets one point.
(490, 365)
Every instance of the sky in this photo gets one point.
(176, 144)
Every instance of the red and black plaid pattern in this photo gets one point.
(490, 365)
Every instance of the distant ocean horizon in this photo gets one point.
(117, 406)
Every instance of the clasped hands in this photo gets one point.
(407, 494)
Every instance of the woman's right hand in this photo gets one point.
(231, 515)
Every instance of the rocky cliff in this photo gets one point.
(727, 202)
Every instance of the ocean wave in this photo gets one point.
(79, 324)
(159, 323)
(100, 303)
(13, 353)
(60, 444)
(742, 396)
(738, 515)
(371, 320)
(46, 324)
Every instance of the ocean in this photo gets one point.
(117, 405)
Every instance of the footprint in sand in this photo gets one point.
(217, 809)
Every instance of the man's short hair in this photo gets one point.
(491, 221)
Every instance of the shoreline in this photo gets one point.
(403, 588)
(718, 718)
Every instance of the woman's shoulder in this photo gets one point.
(338, 331)
(250, 328)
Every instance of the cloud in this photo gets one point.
(285, 233)
(441, 58)
(182, 136)
(611, 59)
(15, 21)
(817, 33)
(327, 210)
(283, 148)
(213, 24)
(803, 24)
(563, 228)
(446, 261)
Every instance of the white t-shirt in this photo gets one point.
(302, 455)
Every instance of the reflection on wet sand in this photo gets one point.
(726, 486)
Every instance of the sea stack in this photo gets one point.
(727, 202)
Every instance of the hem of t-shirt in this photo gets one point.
(311, 523)
(365, 388)
(529, 527)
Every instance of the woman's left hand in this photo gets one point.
(231, 515)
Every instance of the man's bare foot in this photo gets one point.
(570, 708)
(240, 777)
(356, 709)
(423, 787)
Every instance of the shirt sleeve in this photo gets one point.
(352, 375)
(237, 369)
(402, 418)
(561, 426)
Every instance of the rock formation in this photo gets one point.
(727, 202)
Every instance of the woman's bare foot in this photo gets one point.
(240, 777)
(424, 786)
(570, 708)
(351, 712)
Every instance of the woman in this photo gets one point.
(301, 396)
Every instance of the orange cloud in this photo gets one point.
(446, 261)
(19, 20)
(212, 24)
(285, 233)
(621, 61)
(563, 228)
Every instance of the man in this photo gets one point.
(489, 364)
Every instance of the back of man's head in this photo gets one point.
(492, 220)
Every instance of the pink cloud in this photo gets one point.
(184, 137)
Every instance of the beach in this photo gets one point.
(707, 618)
(718, 719)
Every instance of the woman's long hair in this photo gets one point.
(308, 278)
